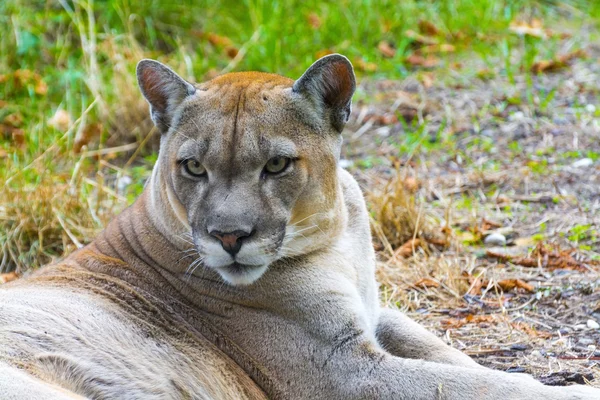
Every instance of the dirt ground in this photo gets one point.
(487, 159)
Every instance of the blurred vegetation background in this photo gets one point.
(76, 143)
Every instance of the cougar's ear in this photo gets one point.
(163, 89)
(330, 83)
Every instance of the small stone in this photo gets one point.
(590, 108)
(123, 182)
(383, 131)
(592, 324)
(495, 239)
(519, 115)
(583, 163)
(579, 327)
(585, 341)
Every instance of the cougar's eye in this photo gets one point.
(277, 165)
(194, 168)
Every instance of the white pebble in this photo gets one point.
(495, 239)
(517, 116)
(590, 108)
(583, 163)
(592, 324)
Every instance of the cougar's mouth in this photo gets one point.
(241, 274)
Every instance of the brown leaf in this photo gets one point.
(314, 21)
(411, 184)
(543, 256)
(419, 39)
(41, 88)
(428, 28)
(382, 119)
(532, 28)
(523, 327)
(218, 40)
(426, 283)
(486, 224)
(365, 66)
(417, 60)
(438, 48)
(469, 319)
(3, 153)
(557, 63)
(86, 135)
(61, 120)
(10, 276)
(408, 248)
(386, 49)
(509, 284)
(15, 119)
(427, 79)
(231, 51)
(18, 137)
(3, 104)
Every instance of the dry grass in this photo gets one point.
(61, 212)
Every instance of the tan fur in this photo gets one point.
(133, 315)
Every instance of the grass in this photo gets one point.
(74, 128)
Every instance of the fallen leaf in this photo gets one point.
(218, 40)
(525, 241)
(3, 103)
(61, 120)
(557, 63)
(417, 60)
(41, 88)
(469, 319)
(486, 224)
(523, 327)
(408, 248)
(438, 48)
(532, 28)
(231, 51)
(10, 276)
(386, 49)
(381, 119)
(419, 39)
(428, 28)
(510, 284)
(411, 184)
(15, 119)
(544, 256)
(86, 135)
(18, 137)
(426, 283)
(314, 21)
(427, 79)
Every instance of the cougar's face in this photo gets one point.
(247, 169)
(250, 159)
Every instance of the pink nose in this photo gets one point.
(231, 241)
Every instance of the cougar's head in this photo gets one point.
(248, 161)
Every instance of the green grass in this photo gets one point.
(75, 58)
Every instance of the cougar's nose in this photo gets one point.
(231, 241)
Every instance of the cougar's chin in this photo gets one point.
(241, 274)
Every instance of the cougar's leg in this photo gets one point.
(403, 337)
(362, 371)
(16, 384)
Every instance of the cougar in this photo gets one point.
(245, 270)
